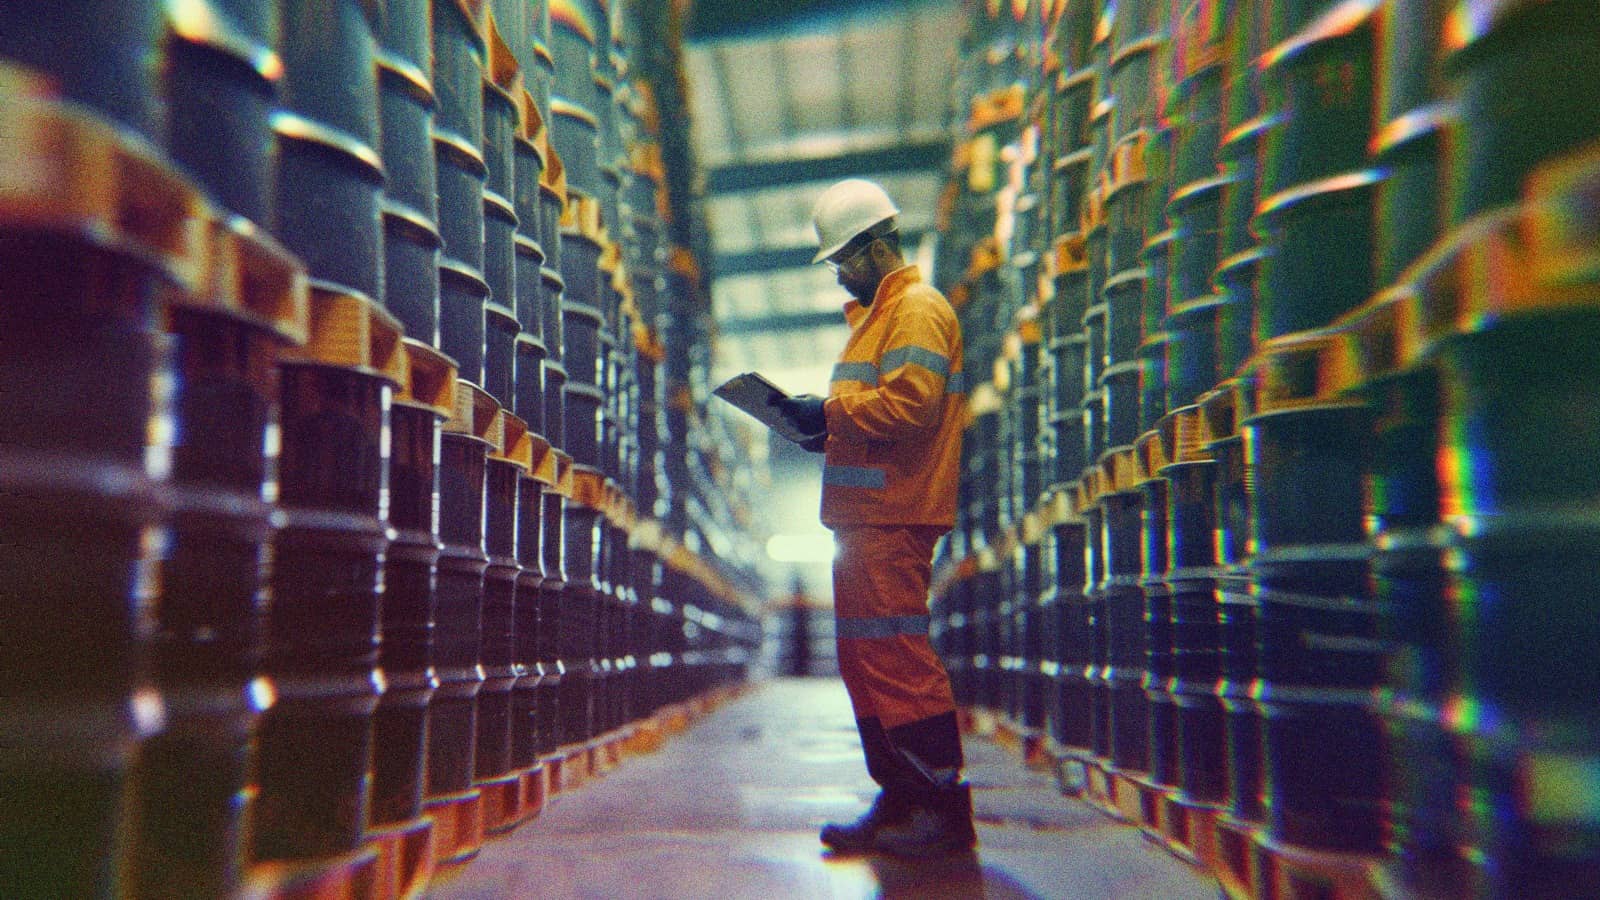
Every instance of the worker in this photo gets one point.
(890, 430)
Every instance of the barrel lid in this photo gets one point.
(1143, 46)
(396, 68)
(405, 218)
(1433, 120)
(295, 127)
(1334, 189)
(1195, 191)
(1340, 21)
(1137, 275)
(201, 22)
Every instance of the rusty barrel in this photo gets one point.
(1190, 577)
(399, 753)
(82, 509)
(507, 463)
(321, 650)
(330, 178)
(475, 427)
(190, 825)
(220, 87)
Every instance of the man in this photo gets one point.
(891, 430)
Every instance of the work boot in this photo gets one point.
(940, 825)
(860, 835)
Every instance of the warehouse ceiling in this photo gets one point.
(784, 99)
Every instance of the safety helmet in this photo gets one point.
(847, 209)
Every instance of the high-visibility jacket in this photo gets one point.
(896, 408)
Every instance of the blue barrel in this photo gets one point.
(81, 519)
(220, 88)
(321, 647)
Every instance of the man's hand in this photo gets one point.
(803, 412)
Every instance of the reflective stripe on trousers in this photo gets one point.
(880, 591)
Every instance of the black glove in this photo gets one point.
(818, 444)
(803, 412)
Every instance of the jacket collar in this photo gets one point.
(892, 285)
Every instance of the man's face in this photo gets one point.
(857, 273)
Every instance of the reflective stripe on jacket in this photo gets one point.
(896, 406)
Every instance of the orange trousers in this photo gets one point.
(880, 595)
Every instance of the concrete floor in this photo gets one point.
(730, 809)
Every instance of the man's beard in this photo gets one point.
(862, 291)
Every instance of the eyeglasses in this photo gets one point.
(847, 262)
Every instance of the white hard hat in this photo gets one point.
(846, 210)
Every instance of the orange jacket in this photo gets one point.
(896, 408)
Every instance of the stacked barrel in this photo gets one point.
(1296, 261)
(330, 567)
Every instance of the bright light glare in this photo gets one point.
(801, 548)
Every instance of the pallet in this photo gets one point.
(502, 802)
(405, 859)
(535, 792)
(1188, 829)
(1287, 872)
(458, 826)
(1238, 860)
(350, 876)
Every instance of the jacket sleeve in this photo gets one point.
(913, 371)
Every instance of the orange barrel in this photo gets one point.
(82, 456)
(498, 658)
(220, 85)
(190, 825)
(526, 693)
(459, 57)
(400, 743)
(1520, 73)
(579, 602)
(329, 179)
(102, 54)
(1238, 610)
(1191, 584)
(323, 626)
(411, 239)
(551, 592)
(1318, 82)
(1320, 653)
(472, 431)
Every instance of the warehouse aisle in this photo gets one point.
(730, 809)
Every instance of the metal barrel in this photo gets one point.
(102, 54)
(405, 653)
(462, 317)
(1127, 652)
(1164, 753)
(579, 603)
(219, 83)
(551, 590)
(411, 238)
(1318, 260)
(1191, 583)
(190, 825)
(1319, 88)
(1320, 652)
(330, 178)
(1518, 72)
(459, 59)
(1235, 282)
(1192, 364)
(474, 428)
(1199, 68)
(1125, 205)
(1520, 545)
(1073, 703)
(82, 510)
(1415, 118)
(1120, 390)
(1124, 309)
(1238, 611)
(321, 650)
(1196, 213)
(1152, 382)
(1099, 631)
(502, 124)
(507, 463)
(500, 333)
(526, 693)
(1131, 75)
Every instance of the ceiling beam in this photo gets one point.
(781, 322)
(926, 155)
(773, 259)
